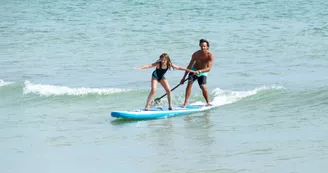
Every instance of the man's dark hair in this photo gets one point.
(202, 41)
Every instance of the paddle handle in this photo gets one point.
(171, 89)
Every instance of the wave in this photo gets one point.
(268, 95)
(224, 97)
(54, 90)
(311, 98)
(4, 83)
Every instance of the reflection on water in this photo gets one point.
(161, 123)
(121, 121)
(203, 117)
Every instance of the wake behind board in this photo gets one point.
(160, 112)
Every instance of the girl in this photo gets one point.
(162, 65)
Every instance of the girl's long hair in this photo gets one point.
(168, 60)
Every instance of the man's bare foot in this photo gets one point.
(209, 104)
(170, 108)
(147, 108)
(184, 104)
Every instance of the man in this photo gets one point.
(201, 62)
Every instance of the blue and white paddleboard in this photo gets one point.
(160, 112)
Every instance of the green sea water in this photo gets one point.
(65, 65)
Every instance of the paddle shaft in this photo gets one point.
(171, 90)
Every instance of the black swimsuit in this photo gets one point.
(159, 72)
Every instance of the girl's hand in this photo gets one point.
(192, 71)
(137, 68)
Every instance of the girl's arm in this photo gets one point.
(181, 68)
(147, 66)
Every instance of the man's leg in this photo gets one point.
(188, 92)
(202, 85)
(205, 94)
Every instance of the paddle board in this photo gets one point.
(159, 112)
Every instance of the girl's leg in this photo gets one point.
(167, 88)
(153, 84)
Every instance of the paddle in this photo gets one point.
(157, 100)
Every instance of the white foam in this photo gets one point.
(53, 90)
(223, 97)
(3, 83)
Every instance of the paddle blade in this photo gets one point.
(154, 103)
(157, 101)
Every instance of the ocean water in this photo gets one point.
(65, 65)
